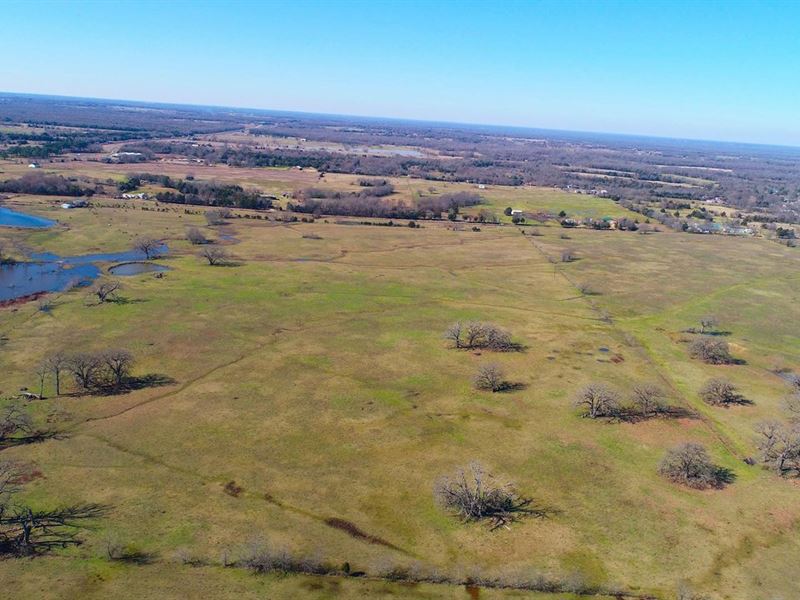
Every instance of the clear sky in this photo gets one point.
(710, 70)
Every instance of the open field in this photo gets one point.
(314, 376)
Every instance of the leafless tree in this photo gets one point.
(711, 350)
(567, 255)
(791, 407)
(195, 236)
(118, 364)
(214, 255)
(779, 447)
(709, 322)
(85, 369)
(10, 473)
(474, 495)
(474, 331)
(481, 335)
(25, 531)
(689, 464)
(597, 400)
(106, 291)
(217, 216)
(454, 333)
(57, 363)
(720, 392)
(648, 399)
(489, 378)
(148, 246)
(42, 370)
(14, 421)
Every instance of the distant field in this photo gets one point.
(315, 377)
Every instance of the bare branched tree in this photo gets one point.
(25, 531)
(791, 407)
(454, 333)
(195, 236)
(708, 323)
(476, 334)
(720, 392)
(489, 378)
(689, 464)
(106, 291)
(14, 421)
(85, 368)
(648, 399)
(118, 364)
(597, 400)
(57, 363)
(148, 246)
(10, 473)
(217, 216)
(779, 447)
(474, 495)
(711, 350)
(214, 255)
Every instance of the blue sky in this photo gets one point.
(709, 70)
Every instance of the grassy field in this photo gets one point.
(314, 376)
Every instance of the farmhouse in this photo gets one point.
(75, 204)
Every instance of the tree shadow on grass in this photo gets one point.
(132, 384)
(34, 438)
(511, 386)
(629, 415)
(126, 300)
(723, 476)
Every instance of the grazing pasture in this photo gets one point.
(308, 400)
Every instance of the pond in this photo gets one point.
(52, 273)
(136, 268)
(13, 218)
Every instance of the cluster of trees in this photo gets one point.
(32, 144)
(366, 204)
(688, 464)
(45, 185)
(645, 400)
(106, 371)
(473, 335)
(199, 193)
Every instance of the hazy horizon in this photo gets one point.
(456, 124)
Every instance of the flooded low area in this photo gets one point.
(136, 268)
(52, 273)
(13, 218)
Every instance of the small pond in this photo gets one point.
(136, 268)
(52, 273)
(13, 218)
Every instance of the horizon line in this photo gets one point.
(531, 128)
